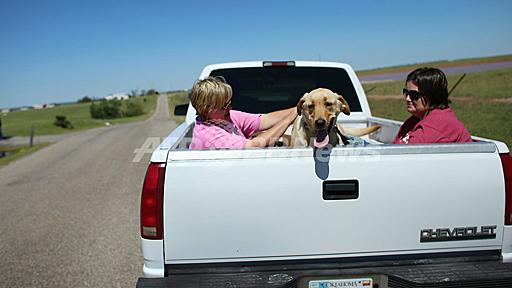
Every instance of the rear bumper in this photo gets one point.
(463, 272)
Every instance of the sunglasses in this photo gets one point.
(415, 95)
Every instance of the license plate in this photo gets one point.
(341, 283)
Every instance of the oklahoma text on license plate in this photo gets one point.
(341, 283)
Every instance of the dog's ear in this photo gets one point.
(300, 104)
(344, 105)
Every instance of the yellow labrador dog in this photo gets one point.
(318, 111)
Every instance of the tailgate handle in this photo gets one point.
(340, 189)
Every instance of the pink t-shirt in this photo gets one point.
(439, 126)
(219, 134)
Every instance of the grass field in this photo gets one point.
(16, 152)
(175, 99)
(439, 64)
(19, 123)
(482, 101)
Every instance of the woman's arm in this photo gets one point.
(269, 120)
(284, 119)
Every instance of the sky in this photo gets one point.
(61, 51)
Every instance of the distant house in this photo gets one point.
(118, 96)
(41, 106)
(5, 111)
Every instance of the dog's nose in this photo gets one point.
(320, 123)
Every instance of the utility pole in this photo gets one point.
(2, 154)
(32, 136)
(1, 134)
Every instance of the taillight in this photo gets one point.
(151, 203)
(506, 161)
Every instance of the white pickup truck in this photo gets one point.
(375, 215)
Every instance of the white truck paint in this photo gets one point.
(260, 206)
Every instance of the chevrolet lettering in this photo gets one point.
(458, 233)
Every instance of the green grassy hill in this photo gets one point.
(440, 64)
(19, 123)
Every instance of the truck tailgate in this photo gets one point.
(286, 204)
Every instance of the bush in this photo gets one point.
(116, 108)
(61, 121)
(106, 109)
(133, 108)
(85, 99)
(152, 92)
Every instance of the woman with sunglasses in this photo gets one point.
(218, 127)
(432, 120)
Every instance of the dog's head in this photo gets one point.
(319, 109)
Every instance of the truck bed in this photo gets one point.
(181, 137)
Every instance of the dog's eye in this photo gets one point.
(328, 104)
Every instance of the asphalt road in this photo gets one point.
(69, 213)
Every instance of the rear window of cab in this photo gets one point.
(267, 89)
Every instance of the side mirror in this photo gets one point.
(181, 110)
